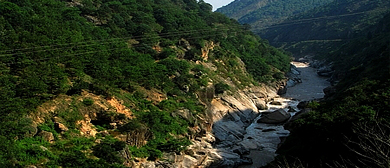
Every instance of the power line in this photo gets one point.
(167, 34)
(189, 31)
(98, 51)
(162, 35)
(300, 21)
(110, 41)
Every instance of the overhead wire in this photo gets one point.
(167, 34)
(160, 35)
(109, 41)
(98, 51)
(300, 21)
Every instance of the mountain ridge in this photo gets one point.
(264, 13)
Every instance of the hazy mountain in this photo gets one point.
(327, 26)
(263, 13)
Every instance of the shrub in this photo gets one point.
(221, 87)
(88, 102)
(108, 150)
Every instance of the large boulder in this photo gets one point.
(276, 117)
(261, 104)
(294, 70)
(325, 71)
(282, 90)
(276, 103)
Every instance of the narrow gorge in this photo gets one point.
(253, 138)
(248, 126)
(250, 136)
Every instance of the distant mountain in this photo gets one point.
(262, 13)
(326, 27)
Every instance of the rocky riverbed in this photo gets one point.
(246, 127)
(312, 84)
(266, 137)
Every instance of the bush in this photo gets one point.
(108, 150)
(88, 102)
(221, 87)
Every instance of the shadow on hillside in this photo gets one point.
(241, 141)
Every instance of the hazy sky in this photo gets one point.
(218, 3)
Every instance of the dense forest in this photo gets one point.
(63, 60)
(351, 127)
(327, 27)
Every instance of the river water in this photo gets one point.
(311, 86)
(265, 138)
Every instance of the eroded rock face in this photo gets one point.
(225, 144)
(293, 76)
(276, 117)
(60, 127)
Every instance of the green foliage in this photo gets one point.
(108, 150)
(313, 104)
(52, 48)
(355, 19)
(71, 116)
(221, 87)
(31, 151)
(88, 102)
(265, 13)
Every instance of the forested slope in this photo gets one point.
(351, 127)
(261, 14)
(325, 28)
(72, 72)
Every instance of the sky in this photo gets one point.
(218, 3)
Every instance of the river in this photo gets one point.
(267, 136)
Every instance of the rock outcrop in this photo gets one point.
(293, 76)
(225, 145)
(325, 70)
(276, 117)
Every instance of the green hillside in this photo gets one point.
(261, 14)
(325, 28)
(61, 61)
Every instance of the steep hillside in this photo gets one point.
(261, 14)
(325, 28)
(351, 127)
(113, 83)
